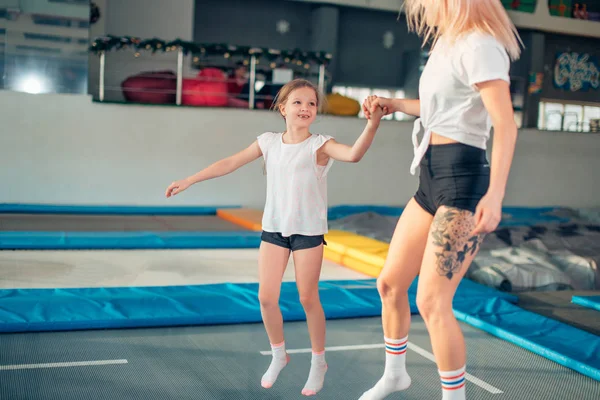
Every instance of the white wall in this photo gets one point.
(63, 149)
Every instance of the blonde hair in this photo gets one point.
(287, 89)
(452, 18)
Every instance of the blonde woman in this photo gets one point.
(463, 92)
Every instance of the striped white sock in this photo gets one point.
(279, 360)
(453, 384)
(395, 378)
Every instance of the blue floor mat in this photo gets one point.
(341, 211)
(528, 216)
(18, 240)
(559, 342)
(592, 302)
(511, 216)
(9, 208)
(27, 310)
(24, 310)
(46, 240)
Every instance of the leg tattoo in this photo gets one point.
(450, 231)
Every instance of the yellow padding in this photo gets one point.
(353, 251)
(348, 262)
(362, 248)
(245, 217)
(342, 105)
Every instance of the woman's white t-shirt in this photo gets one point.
(451, 105)
(296, 201)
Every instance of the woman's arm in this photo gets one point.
(496, 98)
(389, 106)
(407, 106)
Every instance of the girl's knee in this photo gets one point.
(309, 300)
(268, 300)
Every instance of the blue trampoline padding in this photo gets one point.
(559, 342)
(592, 302)
(16, 240)
(30, 310)
(341, 211)
(9, 208)
(25, 310)
(468, 289)
(512, 216)
(527, 216)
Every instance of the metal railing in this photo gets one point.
(179, 74)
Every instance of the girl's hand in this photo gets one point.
(488, 214)
(376, 115)
(177, 187)
(371, 104)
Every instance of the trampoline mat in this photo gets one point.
(558, 305)
(224, 362)
(108, 223)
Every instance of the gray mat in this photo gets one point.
(558, 306)
(590, 214)
(104, 223)
(544, 257)
(223, 362)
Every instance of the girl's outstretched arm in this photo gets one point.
(354, 153)
(220, 168)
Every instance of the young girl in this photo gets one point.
(463, 92)
(295, 215)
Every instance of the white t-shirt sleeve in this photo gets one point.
(486, 61)
(264, 141)
(318, 142)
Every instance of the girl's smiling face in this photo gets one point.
(301, 107)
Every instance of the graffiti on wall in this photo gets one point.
(536, 80)
(576, 72)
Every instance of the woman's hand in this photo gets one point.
(371, 104)
(488, 213)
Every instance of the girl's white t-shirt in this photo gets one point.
(451, 105)
(296, 201)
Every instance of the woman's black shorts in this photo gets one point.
(453, 175)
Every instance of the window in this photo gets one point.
(45, 54)
(558, 116)
(573, 118)
(590, 113)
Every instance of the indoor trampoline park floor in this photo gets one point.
(227, 361)
(165, 307)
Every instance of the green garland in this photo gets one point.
(299, 57)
